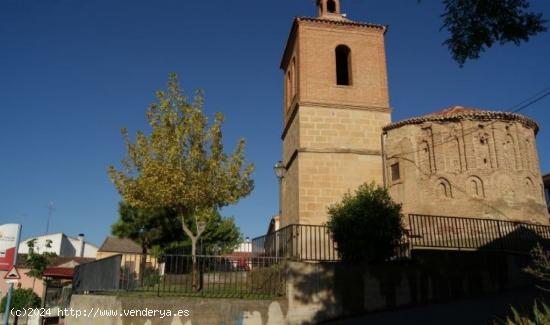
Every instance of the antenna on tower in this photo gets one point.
(50, 207)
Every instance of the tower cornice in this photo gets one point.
(326, 22)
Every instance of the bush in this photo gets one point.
(540, 267)
(539, 317)
(21, 299)
(366, 226)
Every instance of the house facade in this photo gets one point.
(61, 245)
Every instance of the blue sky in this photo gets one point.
(72, 73)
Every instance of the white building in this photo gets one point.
(62, 245)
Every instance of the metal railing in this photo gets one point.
(300, 242)
(478, 234)
(218, 276)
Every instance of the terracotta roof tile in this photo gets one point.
(457, 113)
(455, 110)
(120, 245)
(342, 21)
(59, 272)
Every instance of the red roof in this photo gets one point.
(59, 272)
(455, 110)
(238, 255)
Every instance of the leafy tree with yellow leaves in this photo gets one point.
(181, 165)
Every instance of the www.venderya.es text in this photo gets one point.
(99, 312)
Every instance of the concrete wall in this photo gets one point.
(322, 291)
(201, 311)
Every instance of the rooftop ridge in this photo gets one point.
(342, 21)
(456, 113)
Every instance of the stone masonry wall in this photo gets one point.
(470, 168)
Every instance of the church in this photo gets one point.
(338, 134)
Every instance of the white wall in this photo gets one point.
(61, 245)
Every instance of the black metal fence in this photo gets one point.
(314, 242)
(477, 234)
(301, 242)
(236, 275)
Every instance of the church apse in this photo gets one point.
(467, 163)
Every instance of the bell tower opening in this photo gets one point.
(328, 7)
(331, 6)
(343, 65)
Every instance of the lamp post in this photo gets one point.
(279, 170)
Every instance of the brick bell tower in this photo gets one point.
(335, 105)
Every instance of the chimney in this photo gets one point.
(80, 247)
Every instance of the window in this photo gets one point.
(343, 65)
(331, 6)
(294, 84)
(547, 194)
(395, 176)
(288, 90)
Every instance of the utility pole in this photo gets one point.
(50, 207)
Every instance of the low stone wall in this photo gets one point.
(323, 291)
(196, 311)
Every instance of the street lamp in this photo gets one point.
(280, 170)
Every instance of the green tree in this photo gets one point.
(38, 263)
(540, 267)
(475, 25)
(21, 299)
(181, 165)
(366, 226)
(154, 230)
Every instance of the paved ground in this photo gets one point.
(476, 311)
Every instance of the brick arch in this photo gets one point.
(444, 189)
(529, 186)
(476, 187)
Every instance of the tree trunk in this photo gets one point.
(194, 238)
(194, 261)
(142, 264)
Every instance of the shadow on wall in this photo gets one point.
(334, 290)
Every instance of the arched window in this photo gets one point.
(483, 150)
(425, 158)
(476, 187)
(444, 188)
(288, 87)
(293, 81)
(510, 157)
(331, 6)
(343, 65)
(529, 186)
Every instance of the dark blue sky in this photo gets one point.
(72, 73)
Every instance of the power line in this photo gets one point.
(521, 106)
